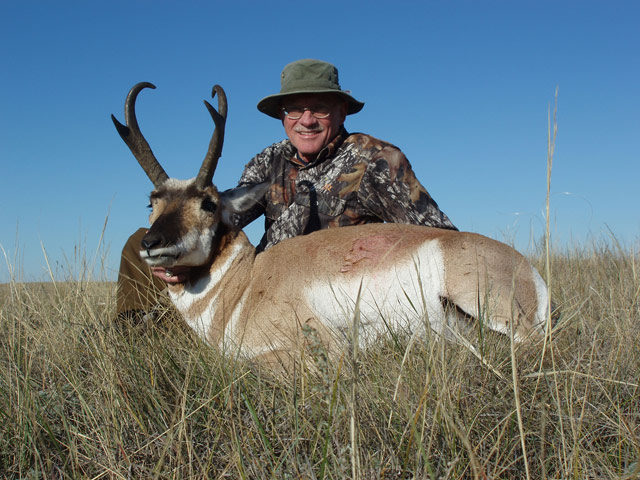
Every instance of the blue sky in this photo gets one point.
(462, 87)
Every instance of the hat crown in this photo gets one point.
(310, 75)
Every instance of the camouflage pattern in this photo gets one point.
(355, 179)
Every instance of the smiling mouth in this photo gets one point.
(308, 132)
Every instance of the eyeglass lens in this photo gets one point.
(318, 111)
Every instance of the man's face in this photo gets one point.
(308, 133)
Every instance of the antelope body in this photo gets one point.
(387, 276)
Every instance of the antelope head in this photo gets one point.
(186, 215)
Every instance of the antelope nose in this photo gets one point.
(151, 240)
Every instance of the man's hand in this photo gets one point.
(172, 275)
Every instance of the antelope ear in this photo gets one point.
(239, 200)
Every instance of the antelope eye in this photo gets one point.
(208, 205)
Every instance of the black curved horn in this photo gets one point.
(134, 139)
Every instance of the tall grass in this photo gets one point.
(82, 399)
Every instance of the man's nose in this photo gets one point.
(307, 118)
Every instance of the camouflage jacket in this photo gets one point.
(355, 179)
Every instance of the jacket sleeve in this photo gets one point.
(258, 170)
(391, 192)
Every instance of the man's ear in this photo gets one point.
(241, 199)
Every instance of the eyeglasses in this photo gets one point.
(295, 112)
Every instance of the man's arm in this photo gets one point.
(391, 191)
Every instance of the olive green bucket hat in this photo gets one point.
(308, 76)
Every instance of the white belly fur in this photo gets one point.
(403, 298)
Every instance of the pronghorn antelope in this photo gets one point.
(385, 275)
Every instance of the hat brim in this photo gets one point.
(271, 105)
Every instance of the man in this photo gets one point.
(321, 176)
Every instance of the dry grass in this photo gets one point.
(82, 399)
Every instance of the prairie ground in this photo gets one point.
(80, 398)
